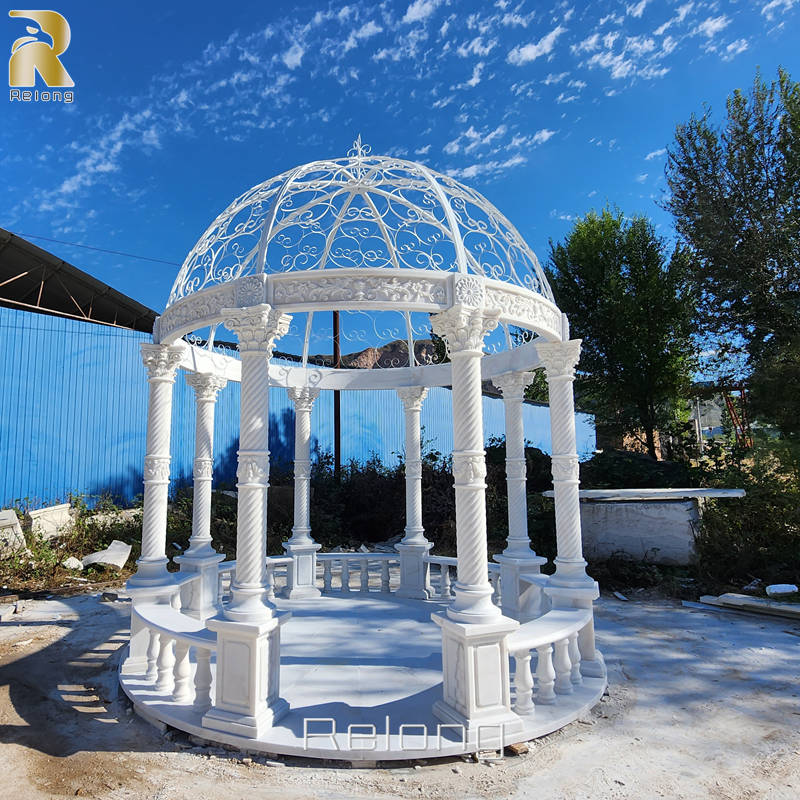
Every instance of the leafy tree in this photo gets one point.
(633, 308)
(735, 196)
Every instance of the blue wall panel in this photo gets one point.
(73, 415)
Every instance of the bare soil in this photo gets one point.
(700, 705)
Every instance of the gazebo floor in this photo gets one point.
(366, 660)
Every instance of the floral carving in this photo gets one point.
(156, 469)
(512, 385)
(257, 327)
(468, 290)
(463, 329)
(203, 468)
(303, 397)
(559, 358)
(412, 397)
(195, 308)
(565, 468)
(468, 468)
(346, 289)
(160, 361)
(250, 291)
(253, 471)
(206, 386)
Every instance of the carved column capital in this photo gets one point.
(512, 385)
(464, 328)
(560, 358)
(257, 327)
(206, 386)
(160, 360)
(303, 397)
(412, 397)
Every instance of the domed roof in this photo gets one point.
(360, 211)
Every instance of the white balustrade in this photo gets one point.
(345, 563)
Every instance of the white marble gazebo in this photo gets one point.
(336, 654)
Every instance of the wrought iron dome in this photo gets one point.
(362, 211)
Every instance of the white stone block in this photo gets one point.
(661, 532)
(115, 555)
(51, 522)
(11, 537)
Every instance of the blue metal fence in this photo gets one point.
(73, 415)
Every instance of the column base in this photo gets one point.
(303, 575)
(414, 570)
(150, 572)
(248, 676)
(511, 567)
(248, 605)
(473, 605)
(199, 599)
(475, 679)
(596, 668)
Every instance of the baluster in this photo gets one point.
(175, 601)
(345, 575)
(562, 667)
(364, 575)
(182, 673)
(152, 655)
(545, 676)
(498, 589)
(166, 660)
(523, 682)
(270, 581)
(220, 588)
(326, 575)
(444, 571)
(575, 659)
(202, 679)
(385, 576)
(493, 580)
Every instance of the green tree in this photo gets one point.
(735, 195)
(633, 308)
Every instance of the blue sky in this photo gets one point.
(547, 109)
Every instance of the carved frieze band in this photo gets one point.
(516, 469)
(257, 327)
(303, 397)
(469, 468)
(565, 468)
(160, 361)
(253, 469)
(205, 305)
(202, 469)
(302, 469)
(206, 386)
(368, 289)
(156, 469)
(414, 469)
(464, 329)
(524, 309)
(559, 358)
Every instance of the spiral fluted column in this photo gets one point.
(257, 328)
(161, 361)
(518, 558)
(414, 573)
(301, 546)
(463, 329)
(198, 599)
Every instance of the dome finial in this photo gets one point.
(359, 150)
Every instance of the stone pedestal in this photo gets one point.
(415, 579)
(511, 568)
(302, 576)
(475, 679)
(248, 676)
(199, 598)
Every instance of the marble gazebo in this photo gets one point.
(362, 655)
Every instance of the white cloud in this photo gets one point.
(554, 78)
(530, 52)
(641, 178)
(423, 151)
(477, 71)
(770, 9)
(683, 12)
(541, 136)
(566, 98)
(476, 47)
(711, 26)
(734, 48)
(487, 167)
(655, 154)
(588, 45)
(577, 84)
(618, 65)
(366, 31)
(420, 10)
(293, 56)
(637, 9)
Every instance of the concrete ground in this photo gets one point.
(701, 704)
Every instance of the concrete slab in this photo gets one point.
(115, 555)
(12, 539)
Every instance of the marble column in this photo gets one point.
(518, 558)
(570, 586)
(248, 632)
(414, 571)
(301, 546)
(475, 668)
(161, 362)
(200, 597)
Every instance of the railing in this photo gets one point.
(444, 583)
(173, 638)
(342, 566)
(554, 639)
(278, 567)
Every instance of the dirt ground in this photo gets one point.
(700, 705)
